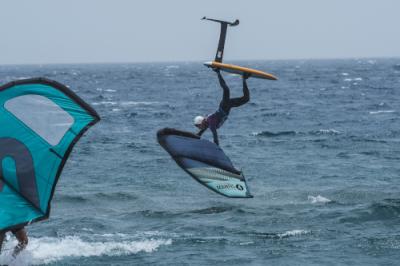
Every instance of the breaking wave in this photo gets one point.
(50, 249)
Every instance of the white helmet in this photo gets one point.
(198, 120)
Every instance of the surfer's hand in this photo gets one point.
(246, 75)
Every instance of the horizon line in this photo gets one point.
(202, 61)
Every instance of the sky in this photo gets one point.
(116, 31)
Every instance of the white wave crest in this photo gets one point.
(327, 131)
(318, 199)
(126, 103)
(294, 233)
(104, 103)
(354, 79)
(138, 103)
(49, 249)
(381, 112)
(107, 90)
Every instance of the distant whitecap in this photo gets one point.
(138, 103)
(318, 199)
(104, 103)
(381, 112)
(294, 233)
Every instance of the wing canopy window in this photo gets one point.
(42, 115)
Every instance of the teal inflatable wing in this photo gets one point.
(40, 121)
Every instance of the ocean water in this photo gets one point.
(320, 149)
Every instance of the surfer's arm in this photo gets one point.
(215, 135)
(246, 93)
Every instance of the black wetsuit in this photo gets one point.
(217, 119)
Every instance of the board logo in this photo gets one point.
(226, 186)
(239, 187)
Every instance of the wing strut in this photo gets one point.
(221, 44)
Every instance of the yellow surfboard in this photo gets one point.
(241, 70)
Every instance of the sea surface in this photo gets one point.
(320, 149)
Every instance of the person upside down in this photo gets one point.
(215, 120)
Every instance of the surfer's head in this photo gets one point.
(200, 122)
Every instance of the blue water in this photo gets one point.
(320, 149)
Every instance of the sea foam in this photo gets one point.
(293, 233)
(318, 199)
(50, 249)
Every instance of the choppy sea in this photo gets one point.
(320, 149)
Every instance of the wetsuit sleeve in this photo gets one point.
(246, 93)
(215, 134)
(236, 102)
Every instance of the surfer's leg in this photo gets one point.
(225, 88)
(236, 102)
(2, 237)
(224, 104)
(22, 241)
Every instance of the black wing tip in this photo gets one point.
(40, 80)
(172, 131)
(161, 133)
